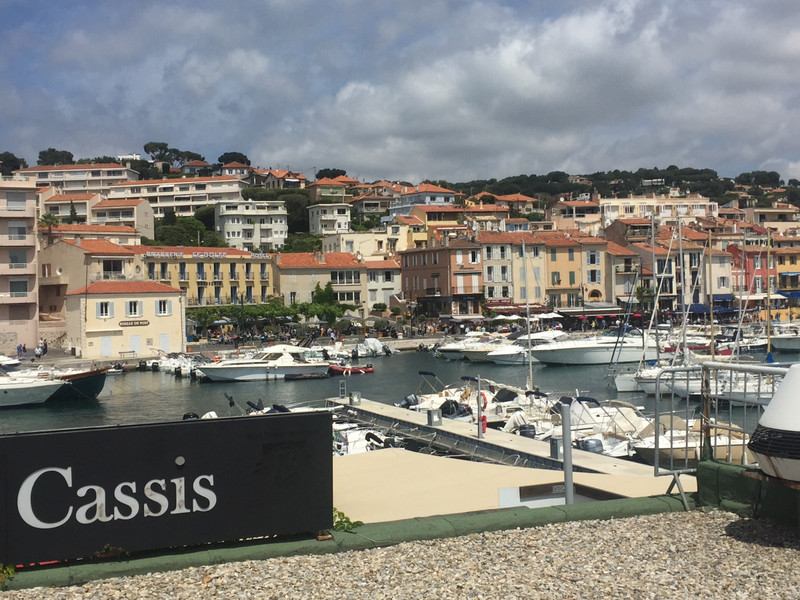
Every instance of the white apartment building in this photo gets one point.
(327, 219)
(183, 195)
(667, 209)
(133, 212)
(250, 225)
(19, 295)
(79, 179)
(387, 241)
(383, 281)
(424, 193)
(63, 205)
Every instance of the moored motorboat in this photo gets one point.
(274, 362)
(84, 384)
(348, 369)
(607, 348)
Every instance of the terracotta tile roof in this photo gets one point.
(579, 203)
(186, 250)
(507, 237)
(63, 228)
(635, 221)
(175, 180)
(345, 179)
(119, 202)
(99, 247)
(557, 242)
(326, 181)
(283, 173)
(70, 198)
(659, 250)
(71, 167)
(517, 198)
(408, 220)
(426, 188)
(389, 263)
(125, 287)
(311, 260)
(617, 250)
(235, 165)
(197, 163)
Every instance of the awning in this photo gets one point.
(628, 299)
(724, 298)
(761, 296)
(791, 294)
(699, 308)
(789, 274)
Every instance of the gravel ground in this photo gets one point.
(673, 555)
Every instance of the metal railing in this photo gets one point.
(707, 412)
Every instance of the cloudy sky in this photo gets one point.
(413, 89)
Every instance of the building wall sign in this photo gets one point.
(134, 323)
(165, 485)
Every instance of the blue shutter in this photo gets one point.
(110, 309)
(97, 309)
(169, 307)
(140, 312)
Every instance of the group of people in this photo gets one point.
(38, 352)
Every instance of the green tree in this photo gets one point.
(51, 156)
(10, 163)
(169, 217)
(73, 213)
(229, 157)
(205, 214)
(158, 151)
(48, 221)
(302, 242)
(331, 173)
(146, 170)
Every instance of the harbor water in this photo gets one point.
(147, 397)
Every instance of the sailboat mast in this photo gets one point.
(769, 282)
(711, 295)
(527, 315)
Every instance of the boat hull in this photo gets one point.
(222, 372)
(14, 392)
(82, 386)
(562, 354)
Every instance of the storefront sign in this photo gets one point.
(72, 494)
(133, 323)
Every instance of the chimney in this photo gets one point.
(319, 257)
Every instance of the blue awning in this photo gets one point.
(789, 274)
(723, 298)
(790, 294)
(698, 308)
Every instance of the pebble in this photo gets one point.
(699, 554)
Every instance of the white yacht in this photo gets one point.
(517, 353)
(786, 338)
(606, 348)
(273, 362)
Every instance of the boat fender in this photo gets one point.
(465, 394)
(484, 421)
(190, 416)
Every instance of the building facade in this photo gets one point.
(124, 320)
(19, 290)
(252, 225)
(328, 219)
(79, 179)
(183, 195)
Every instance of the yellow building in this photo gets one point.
(208, 276)
(125, 320)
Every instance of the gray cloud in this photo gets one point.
(423, 89)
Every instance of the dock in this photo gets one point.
(493, 446)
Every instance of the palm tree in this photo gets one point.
(48, 221)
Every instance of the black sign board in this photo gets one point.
(75, 493)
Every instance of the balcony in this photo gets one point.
(18, 297)
(625, 269)
(13, 240)
(433, 292)
(17, 268)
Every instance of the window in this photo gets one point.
(572, 277)
(489, 273)
(133, 308)
(488, 253)
(722, 282)
(15, 201)
(388, 276)
(571, 254)
(17, 259)
(592, 257)
(163, 308)
(594, 275)
(555, 278)
(552, 254)
(104, 310)
(373, 277)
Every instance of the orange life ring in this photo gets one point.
(216, 359)
(483, 397)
